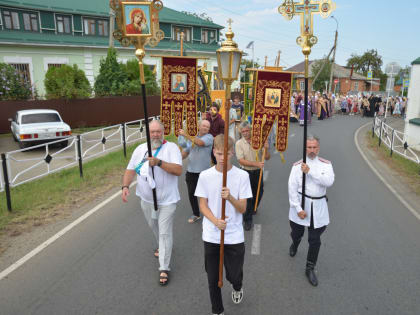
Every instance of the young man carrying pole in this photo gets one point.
(210, 191)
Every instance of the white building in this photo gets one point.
(412, 120)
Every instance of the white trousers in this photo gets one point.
(161, 223)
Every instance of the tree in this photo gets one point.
(66, 82)
(12, 84)
(248, 65)
(112, 76)
(324, 75)
(369, 61)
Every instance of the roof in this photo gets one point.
(416, 62)
(36, 111)
(101, 8)
(339, 71)
(50, 39)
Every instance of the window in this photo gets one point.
(103, 28)
(205, 36)
(217, 82)
(30, 22)
(54, 65)
(302, 85)
(90, 26)
(11, 20)
(40, 118)
(177, 33)
(63, 24)
(23, 70)
(356, 86)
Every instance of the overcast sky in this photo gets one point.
(392, 27)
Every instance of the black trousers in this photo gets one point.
(192, 179)
(314, 238)
(254, 177)
(233, 262)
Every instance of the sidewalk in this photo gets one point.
(398, 184)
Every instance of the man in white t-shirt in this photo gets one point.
(209, 190)
(167, 165)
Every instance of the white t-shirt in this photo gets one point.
(166, 184)
(210, 186)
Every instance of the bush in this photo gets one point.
(12, 84)
(133, 71)
(66, 82)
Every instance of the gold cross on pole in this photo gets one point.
(230, 21)
(306, 9)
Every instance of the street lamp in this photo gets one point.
(228, 61)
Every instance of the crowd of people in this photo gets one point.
(326, 105)
(157, 174)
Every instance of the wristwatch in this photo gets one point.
(159, 163)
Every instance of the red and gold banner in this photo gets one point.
(179, 91)
(272, 102)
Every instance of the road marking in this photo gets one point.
(400, 198)
(51, 240)
(256, 240)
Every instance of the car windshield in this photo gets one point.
(40, 118)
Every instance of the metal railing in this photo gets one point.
(395, 140)
(18, 169)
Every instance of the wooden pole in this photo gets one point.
(182, 44)
(259, 183)
(225, 164)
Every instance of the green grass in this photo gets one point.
(407, 168)
(38, 199)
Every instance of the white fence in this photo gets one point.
(44, 159)
(395, 140)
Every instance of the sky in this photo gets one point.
(392, 27)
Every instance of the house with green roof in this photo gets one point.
(38, 34)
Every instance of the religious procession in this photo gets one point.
(288, 186)
(225, 195)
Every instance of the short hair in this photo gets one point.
(219, 142)
(313, 138)
(201, 121)
(214, 104)
(159, 123)
(245, 124)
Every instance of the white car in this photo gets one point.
(35, 126)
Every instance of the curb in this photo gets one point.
(386, 183)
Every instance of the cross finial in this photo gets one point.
(230, 21)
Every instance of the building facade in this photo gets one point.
(38, 34)
(344, 80)
(412, 119)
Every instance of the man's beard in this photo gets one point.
(156, 143)
(312, 155)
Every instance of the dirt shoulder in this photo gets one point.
(405, 183)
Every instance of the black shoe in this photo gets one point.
(248, 225)
(292, 250)
(310, 274)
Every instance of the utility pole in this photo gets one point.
(266, 59)
(278, 59)
(333, 60)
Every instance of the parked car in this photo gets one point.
(36, 126)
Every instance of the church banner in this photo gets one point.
(272, 102)
(179, 94)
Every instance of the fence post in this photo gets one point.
(380, 134)
(124, 140)
(373, 127)
(6, 182)
(392, 141)
(79, 153)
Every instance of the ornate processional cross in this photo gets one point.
(306, 9)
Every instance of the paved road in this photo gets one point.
(368, 262)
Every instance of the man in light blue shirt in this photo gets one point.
(198, 150)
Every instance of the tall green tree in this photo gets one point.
(133, 71)
(316, 66)
(66, 82)
(248, 65)
(369, 61)
(112, 76)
